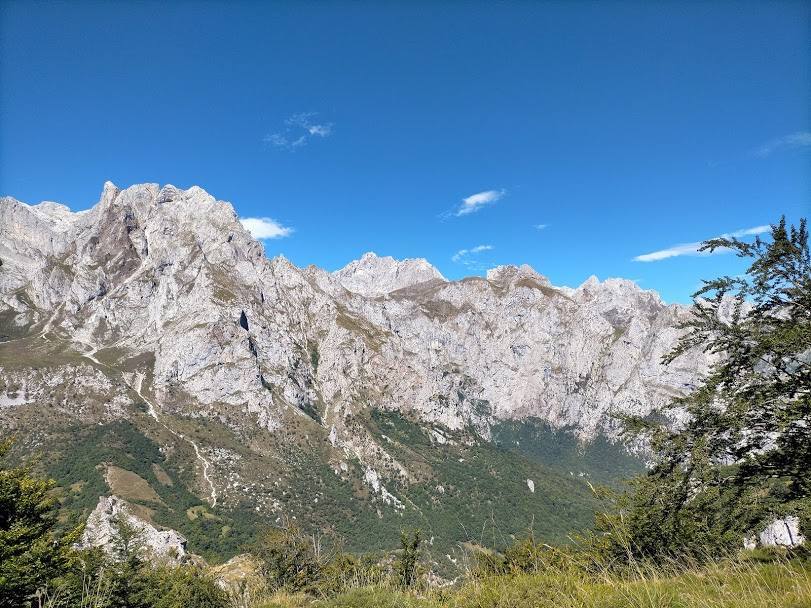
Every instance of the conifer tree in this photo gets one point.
(32, 552)
(742, 454)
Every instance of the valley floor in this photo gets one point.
(736, 585)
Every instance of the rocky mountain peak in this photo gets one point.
(373, 275)
(616, 291)
(512, 274)
(54, 211)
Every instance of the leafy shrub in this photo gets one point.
(409, 559)
(527, 556)
(292, 561)
(289, 559)
(185, 587)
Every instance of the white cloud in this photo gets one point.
(673, 252)
(320, 130)
(541, 226)
(474, 202)
(299, 129)
(463, 255)
(800, 139)
(749, 231)
(693, 248)
(265, 228)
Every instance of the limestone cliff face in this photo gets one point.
(111, 513)
(165, 287)
(372, 275)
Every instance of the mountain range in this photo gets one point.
(149, 349)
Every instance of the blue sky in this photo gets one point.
(571, 136)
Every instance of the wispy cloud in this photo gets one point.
(475, 202)
(748, 231)
(299, 129)
(693, 248)
(800, 139)
(265, 228)
(541, 226)
(468, 256)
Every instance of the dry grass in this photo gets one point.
(200, 511)
(730, 584)
(734, 585)
(130, 486)
(161, 475)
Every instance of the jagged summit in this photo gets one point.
(510, 274)
(373, 275)
(197, 212)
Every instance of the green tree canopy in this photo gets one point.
(32, 552)
(742, 454)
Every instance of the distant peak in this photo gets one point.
(108, 192)
(615, 284)
(509, 272)
(591, 282)
(373, 275)
(168, 193)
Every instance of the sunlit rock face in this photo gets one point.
(105, 523)
(166, 286)
(372, 275)
(781, 532)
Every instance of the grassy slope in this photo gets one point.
(734, 585)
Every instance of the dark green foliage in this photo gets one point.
(744, 455)
(598, 461)
(293, 561)
(289, 559)
(122, 444)
(82, 577)
(127, 542)
(134, 584)
(187, 587)
(31, 550)
(409, 558)
(484, 497)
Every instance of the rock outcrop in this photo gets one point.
(111, 513)
(781, 532)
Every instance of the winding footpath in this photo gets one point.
(152, 410)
